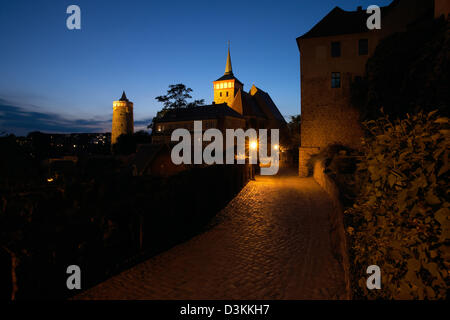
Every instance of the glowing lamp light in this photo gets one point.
(50, 180)
(253, 145)
(276, 147)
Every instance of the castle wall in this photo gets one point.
(327, 114)
(441, 7)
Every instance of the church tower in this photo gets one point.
(226, 87)
(122, 122)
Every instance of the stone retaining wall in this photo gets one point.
(337, 231)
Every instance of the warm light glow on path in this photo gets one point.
(271, 242)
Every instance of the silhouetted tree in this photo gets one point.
(409, 71)
(16, 165)
(127, 143)
(40, 144)
(176, 98)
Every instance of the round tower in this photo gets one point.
(122, 121)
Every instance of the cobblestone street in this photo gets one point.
(271, 242)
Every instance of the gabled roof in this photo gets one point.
(247, 105)
(339, 21)
(213, 111)
(266, 104)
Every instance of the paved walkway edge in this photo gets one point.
(337, 232)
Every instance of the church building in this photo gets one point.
(232, 108)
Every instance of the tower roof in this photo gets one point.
(228, 67)
(124, 97)
(228, 75)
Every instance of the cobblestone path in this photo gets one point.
(270, 242)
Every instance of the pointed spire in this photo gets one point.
(124, 97)
(228, 68)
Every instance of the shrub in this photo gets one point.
(400, 221)
(340, 162)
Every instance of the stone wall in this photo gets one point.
(337, 231)
(327, 115)
(122, 121)
(441, 7)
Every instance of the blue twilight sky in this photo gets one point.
(58, 80)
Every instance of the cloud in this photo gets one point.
(20, 121)
(142, 124)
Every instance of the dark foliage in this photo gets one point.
(99, 216)
(408, 70)
(176, 98)
(127, 144)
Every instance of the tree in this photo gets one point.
(127, 143)
(408, 72)
(294, 129)
(176, 98)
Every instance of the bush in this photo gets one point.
(340, 162)
(408, 70)
(400, 221)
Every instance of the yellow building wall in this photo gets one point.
(122, 121)
(224, 91)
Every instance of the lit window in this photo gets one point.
(217, 86)
(335, 80)
(221, 86)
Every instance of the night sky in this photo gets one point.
(57, 80)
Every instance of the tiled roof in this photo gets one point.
(339, 21)
(247, 104)
(228, 77)
(213, 111)
(266, 104)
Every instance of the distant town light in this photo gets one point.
(276, 147)
(253, 145)
(49, 179)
